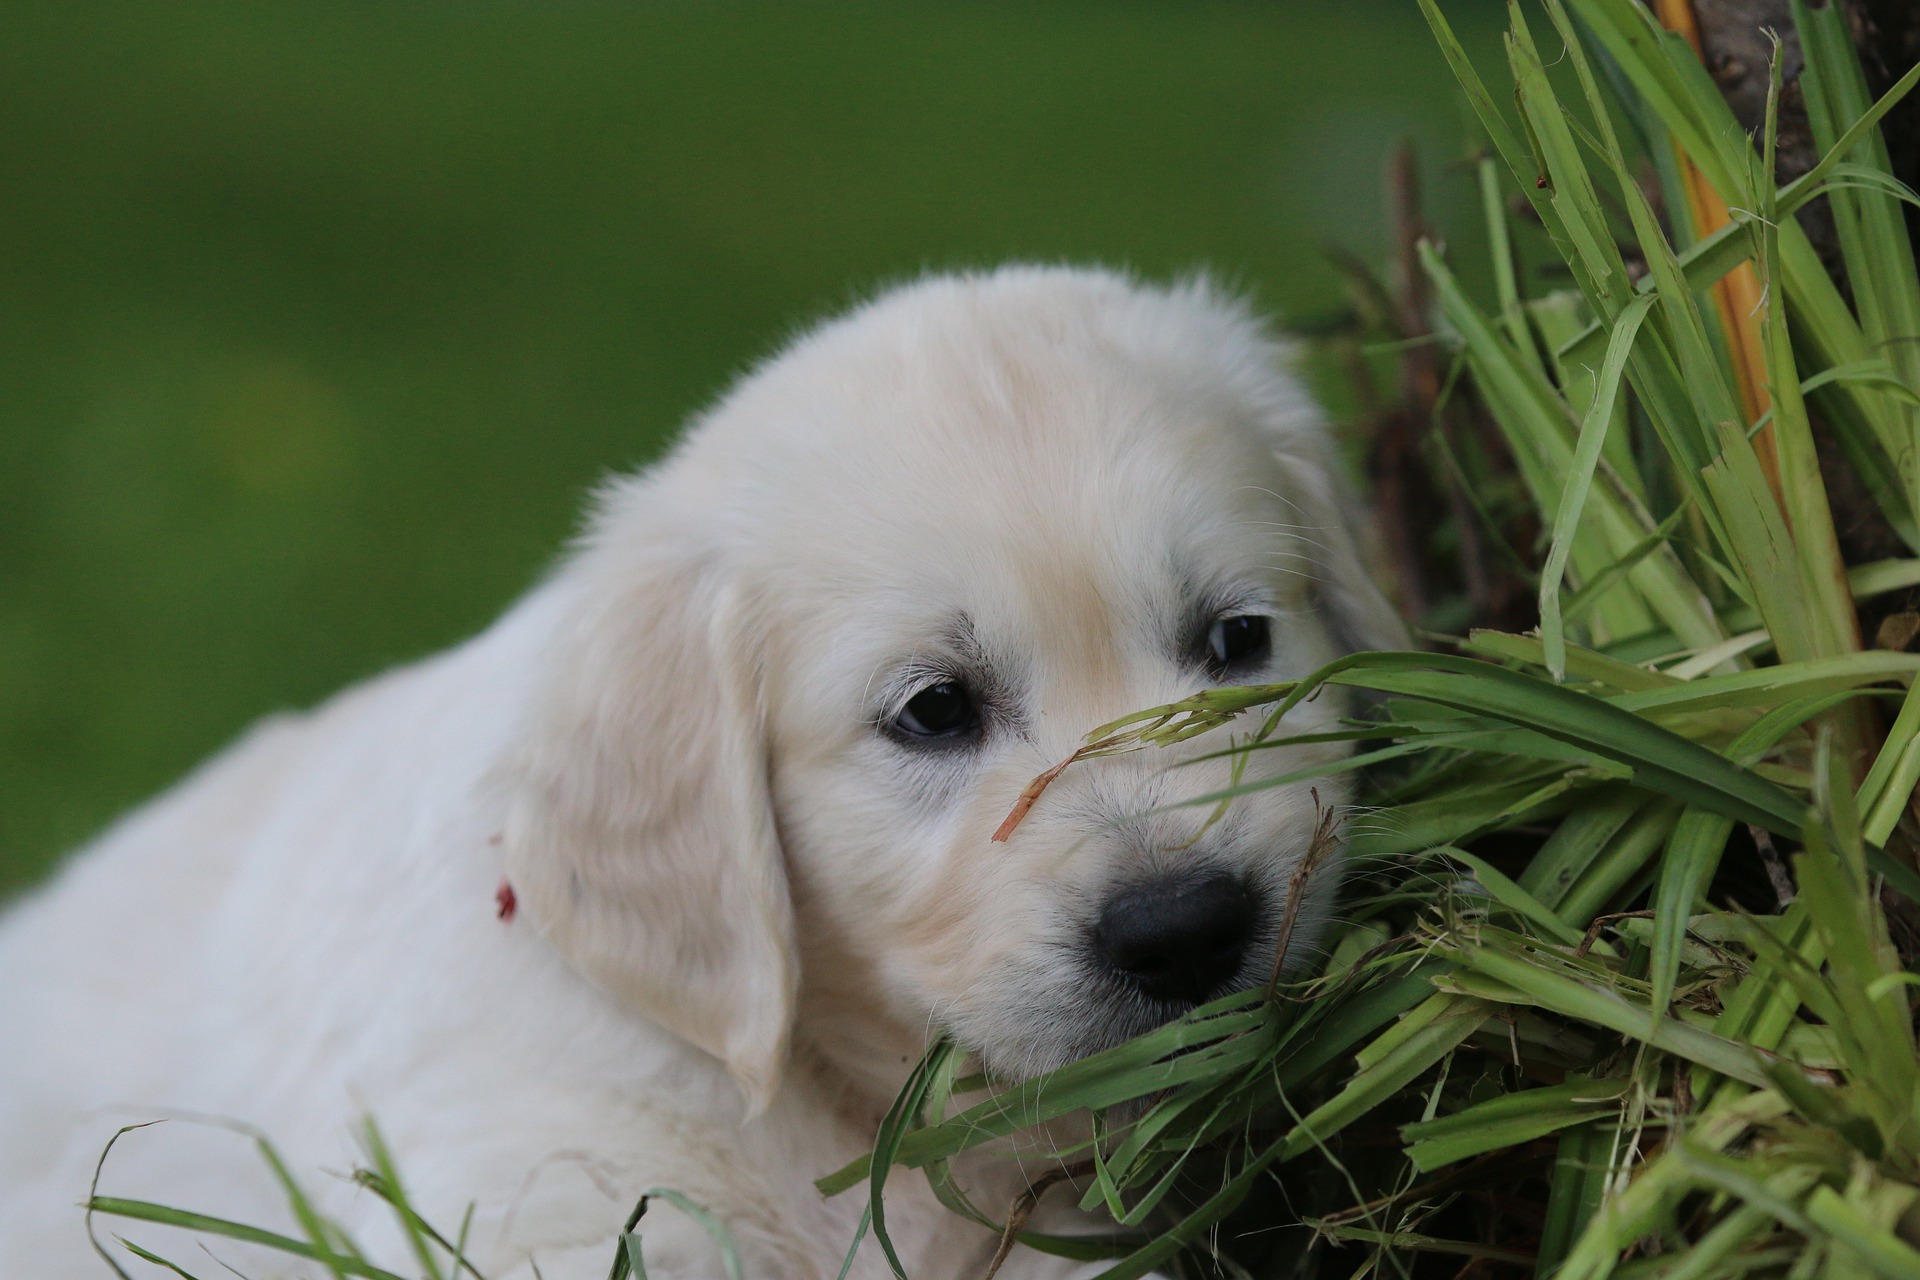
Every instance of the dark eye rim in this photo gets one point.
(1221, 665)
(917, 733)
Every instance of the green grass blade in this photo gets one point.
(1540, 430)
(894, 1127)
(1622, 862)
(327, 1244)
(715, 1229)
(1885, 1253)
(1509, 1120)
(1437, 1028)
(1575, 843)
(391, 1191)
(1692, 856)
(1661, 759)
(146, 1211)
(1573, 498)
(1835, 90)
(1516, 899)
(1503, 958)
(1581, 1170)
(156, 1259)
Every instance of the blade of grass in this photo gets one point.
(1878, 1248)
(411, 1226)
(1437, 1028)
(1581, 1171)
(1504, 958)
(1662, 760)
(1509, 1120)
(1573, 498)
(147, 1211)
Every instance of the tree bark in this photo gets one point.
(1734, 44)
(1735, 47)
(1887, 33)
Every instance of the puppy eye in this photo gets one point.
(943, 710)
(1238, 643)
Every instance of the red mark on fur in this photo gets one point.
(504, 903)
(494, 839)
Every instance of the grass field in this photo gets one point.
(316, 320)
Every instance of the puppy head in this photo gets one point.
(814, 657)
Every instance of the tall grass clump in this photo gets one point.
(1622, 987)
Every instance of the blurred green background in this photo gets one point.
(317, 319)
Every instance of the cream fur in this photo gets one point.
(742, 907)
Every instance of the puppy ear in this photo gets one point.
(1344, 549)
(639, 834)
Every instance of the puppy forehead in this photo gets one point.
(1010, 427)
(1040, 515)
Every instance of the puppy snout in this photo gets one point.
(1178, 938)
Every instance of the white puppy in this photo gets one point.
(739, 760)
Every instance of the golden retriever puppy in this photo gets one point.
(732, 772)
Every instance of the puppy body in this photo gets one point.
(747, 887)
(184, 978)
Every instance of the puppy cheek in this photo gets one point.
(985, 907)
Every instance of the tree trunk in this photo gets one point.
(1734, 45)
(1888, 37)
(1732, 36)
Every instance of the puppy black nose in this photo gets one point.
(1180, 937)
